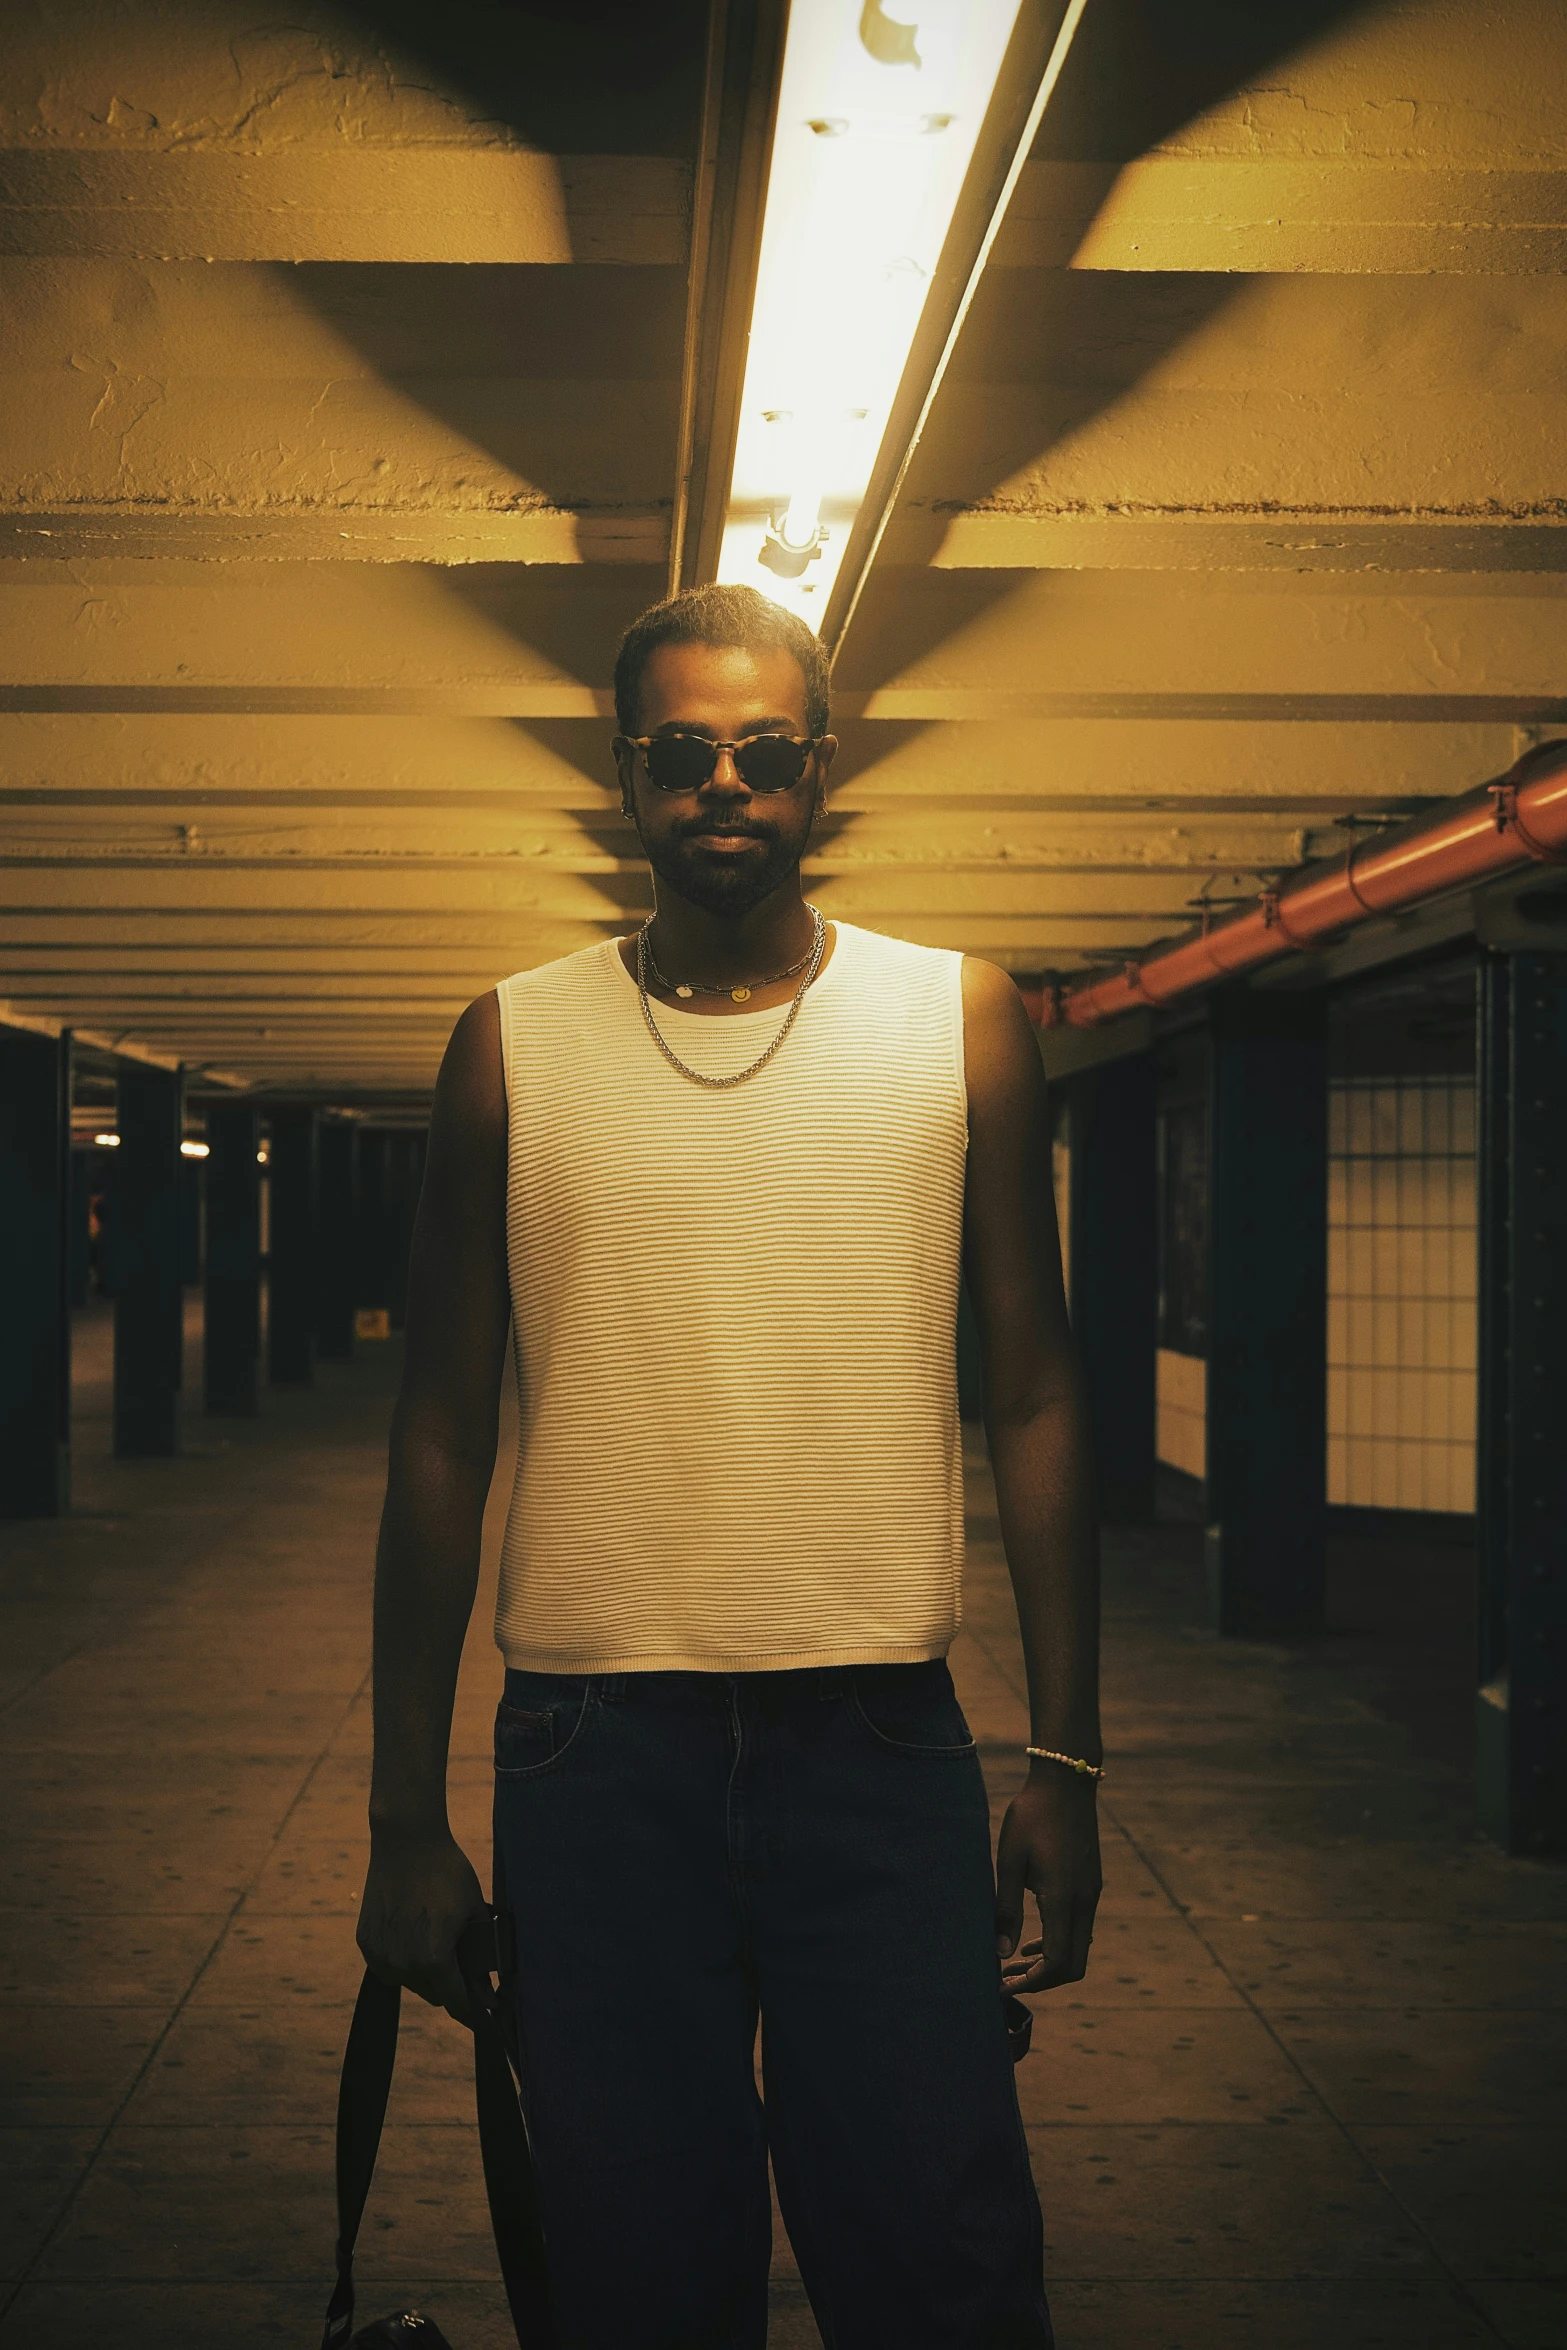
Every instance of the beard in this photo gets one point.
(724, 885)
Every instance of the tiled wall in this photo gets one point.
(1401, 1302)
(1182, 1441)
(1401, 1292)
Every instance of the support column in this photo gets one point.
(291, 1248)
(405, 1177)
(80, 1241)
(190, 1222)
(233, 1274)
(35, 1323)
(338, 1218)
(1113, 1222)
(1267, 1312)
(148, 1301)
(373, 1229)
(1521, 1484)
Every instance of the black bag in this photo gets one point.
(503, 2146)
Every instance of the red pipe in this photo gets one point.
(1495, 829)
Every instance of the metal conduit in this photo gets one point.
(1495, 829)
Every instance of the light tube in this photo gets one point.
(878, 114)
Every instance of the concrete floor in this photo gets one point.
(1312, 2091)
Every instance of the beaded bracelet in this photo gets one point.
(1073, 1762)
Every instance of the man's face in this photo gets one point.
(722, 847)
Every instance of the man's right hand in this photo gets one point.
(420, 1893)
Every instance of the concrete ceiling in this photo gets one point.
(342, 373)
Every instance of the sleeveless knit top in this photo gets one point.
(733, 1317)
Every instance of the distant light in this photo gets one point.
(106, 1142)
(262, 1156)
(877, 123)
(194, 1150)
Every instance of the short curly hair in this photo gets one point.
(723, 616)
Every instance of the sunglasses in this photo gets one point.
(685, 762)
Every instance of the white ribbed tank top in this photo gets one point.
(734, 1319)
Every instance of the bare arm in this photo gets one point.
(421, 1889)
(1033, 1417)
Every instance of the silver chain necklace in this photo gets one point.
(721, 1084)
(736, 995)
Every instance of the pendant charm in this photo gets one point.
(683, 991)
(740, 995)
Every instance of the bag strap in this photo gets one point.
(503, 2138)
(361, 2109)
(363, 2090)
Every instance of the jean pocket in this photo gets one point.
(529, 1739)
(912, 1708)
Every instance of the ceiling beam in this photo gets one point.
(1276, 213)
(344, 202)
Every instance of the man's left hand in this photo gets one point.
(1049, 1847)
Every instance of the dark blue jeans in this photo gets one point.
(683, 1851)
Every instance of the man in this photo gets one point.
(717, 1179)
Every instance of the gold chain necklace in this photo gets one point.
(721, 1084)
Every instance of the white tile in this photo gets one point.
(1439, 1332)
(1410, 1408)
(1411, 1262)
(1437, 1477)
(1384, 1333)
(1386, 1205)
(1358, 1102)
(1439, 1250)
(1338, 1472)
(1411, 1119)
(1439, 1407)
(1462, 1310)
(1409, 1468)
(1463, 1117)
(1461, 1478)
(1384, 1120)
(1384, 1476)
(1338, 1330)
(1384, 1404)
(1438, 1118)
(1411, 1311)
(1338, 1191)
(1338, 1401)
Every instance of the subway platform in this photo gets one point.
(1311, 2093)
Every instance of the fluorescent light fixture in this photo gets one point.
(193, 1150)
(879, 108)
(106, 1142)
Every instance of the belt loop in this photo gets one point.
(612, 1688)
